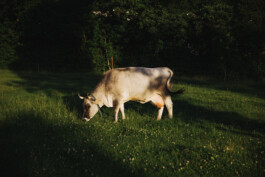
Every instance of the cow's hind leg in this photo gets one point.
(160, 112)
(159, 103)
(169, 105)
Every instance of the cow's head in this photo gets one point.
(90, 107)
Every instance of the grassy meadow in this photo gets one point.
(218, 129)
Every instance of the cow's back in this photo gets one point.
(135, 83)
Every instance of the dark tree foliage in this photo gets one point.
(222, 38)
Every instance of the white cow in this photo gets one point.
(131, 84)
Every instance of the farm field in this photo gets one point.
(218, 129)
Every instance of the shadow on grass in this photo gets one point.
(190, 113)
(251, 88)
(54, 83)
(32, 146)
(73, 103)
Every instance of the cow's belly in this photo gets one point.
(155, 99)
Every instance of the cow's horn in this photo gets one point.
(80, 96)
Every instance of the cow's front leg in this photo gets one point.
(118, 105)
(116, 112)
(160, 112)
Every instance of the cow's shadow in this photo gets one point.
(189, 113)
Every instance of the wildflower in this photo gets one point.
(187, 163)
(180, 169)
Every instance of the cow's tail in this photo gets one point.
(169, 84)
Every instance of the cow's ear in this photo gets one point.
(91, 98)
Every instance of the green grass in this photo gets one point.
(218, 129)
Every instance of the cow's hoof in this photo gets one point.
(86, 119)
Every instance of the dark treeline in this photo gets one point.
(222, 38)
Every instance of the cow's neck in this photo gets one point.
(98, 94)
